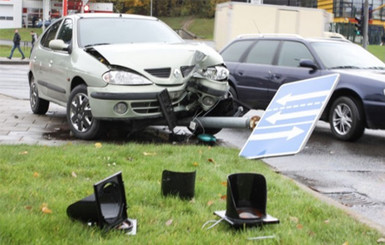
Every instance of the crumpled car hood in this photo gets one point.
(150, 58)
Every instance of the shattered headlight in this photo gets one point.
(217, 73)
(125, 78)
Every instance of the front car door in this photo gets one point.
(60, 63)
(287, 68)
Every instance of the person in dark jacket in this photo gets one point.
(34, 39)
(16, 44)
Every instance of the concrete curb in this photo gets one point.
(14, 61)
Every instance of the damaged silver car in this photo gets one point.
(105, 67)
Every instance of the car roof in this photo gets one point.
(285, 36)
(111, 15)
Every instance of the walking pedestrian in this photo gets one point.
(16, 44)
(34, 39)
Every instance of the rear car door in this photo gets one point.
(253, 74)
(40, 60)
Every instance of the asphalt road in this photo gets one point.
(351, 173)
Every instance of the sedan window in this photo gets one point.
(122, 30)
(292, 53)
(263, 52)
(234, 51)
(50, 34)
(65, 32)
(345, 55)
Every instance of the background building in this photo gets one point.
(345, 13)
(10, 13)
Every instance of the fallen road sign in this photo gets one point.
(290, 118)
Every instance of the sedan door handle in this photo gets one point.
(50, 63)
(240, 73)
(275, 76)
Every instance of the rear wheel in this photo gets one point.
(38, 106)
(346, 119)
(82, 124)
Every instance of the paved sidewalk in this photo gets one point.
(20, 126)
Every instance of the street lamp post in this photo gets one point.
(151, 8)
(365, 24)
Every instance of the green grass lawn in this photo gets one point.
(25, 33)
(203, 28)
(378, 51)
(175, 22)
(33, 177)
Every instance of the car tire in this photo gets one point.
(346, 119)
(38, 106)
(82, 124)
(232, 93)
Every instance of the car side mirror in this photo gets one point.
(58, 45)
(308, 64)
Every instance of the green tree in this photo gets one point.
(166, 8)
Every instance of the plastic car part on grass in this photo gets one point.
(181, 184)
(246, 201)
(106, 207)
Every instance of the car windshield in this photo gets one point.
(97, 31)
(344, 55)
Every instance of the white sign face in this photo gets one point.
(290, 118)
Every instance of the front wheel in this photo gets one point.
(82, 124)
(346, 119)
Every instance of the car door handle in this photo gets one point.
(240, 73)
(275, 76)
(50, 63)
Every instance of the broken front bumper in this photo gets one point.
(131, 102)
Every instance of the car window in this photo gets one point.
(262, 52)
(292, 52)
(124, 30)
(50, 34)
(345, 55)
(65, 32)
(234, 51)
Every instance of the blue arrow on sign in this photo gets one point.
(290, 118)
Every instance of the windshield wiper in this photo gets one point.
(345, 67)
(375, 67)
(96, 44)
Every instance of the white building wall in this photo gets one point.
(10, 14)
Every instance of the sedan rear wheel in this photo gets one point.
(346, 119)
(82, 124)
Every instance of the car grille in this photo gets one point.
(148, 107)
(160, 72)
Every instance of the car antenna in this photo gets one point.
(256, 26)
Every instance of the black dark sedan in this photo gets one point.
(260, 64)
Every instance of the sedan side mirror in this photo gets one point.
(58, 45)
(308, 64)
